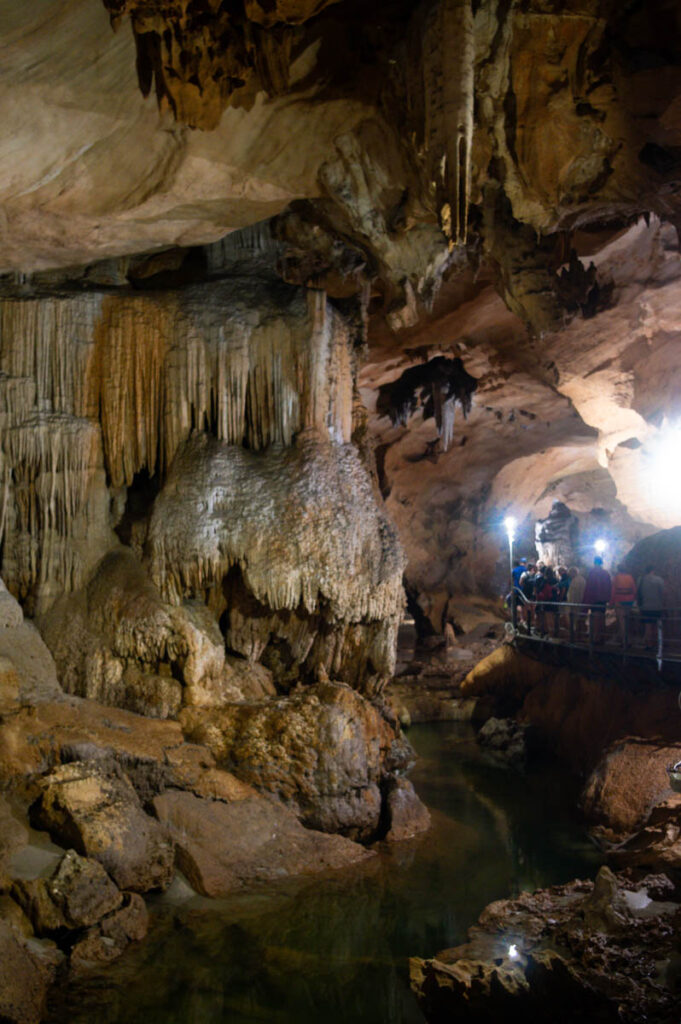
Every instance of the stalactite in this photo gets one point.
(448, 62)
(438, 385)
(242, 363)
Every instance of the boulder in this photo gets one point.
(504, 740)
(107, 940)
(95, 809)
(11, 614)
(629, 781)
(25, 980)
(13, 836)
(78, 894)
(657, 846)
(406, 815)
(323, 750)
(225, 847)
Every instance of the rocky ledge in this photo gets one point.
(100, 806)
(603, 951)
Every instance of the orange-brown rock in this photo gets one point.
(78, 894)
(323, 751)
(630, 780)
(25, 980)
(222, 847)
(97, 811)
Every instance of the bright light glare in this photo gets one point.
(513, 953)
(663, 467)
(510, 523)
(600, 546)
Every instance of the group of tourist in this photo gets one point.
(544, 589)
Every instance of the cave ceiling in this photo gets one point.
(497, 181)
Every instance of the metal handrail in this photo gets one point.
(639, 633)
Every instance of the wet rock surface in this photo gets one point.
(78, 894)
(25, 980)
(98, 811)
(629, 781)
(323, 751)
(224, 847)
(504, 741)
(406, 815)
(605, 951)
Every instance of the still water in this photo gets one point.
(334, 949)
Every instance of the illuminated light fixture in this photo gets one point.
(662, 476)
(513, 953)
(601, 546)
(510, 525)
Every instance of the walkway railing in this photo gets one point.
(631, 632)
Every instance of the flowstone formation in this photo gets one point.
(556, 536)
(235, 401)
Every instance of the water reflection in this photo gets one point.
(334, 948)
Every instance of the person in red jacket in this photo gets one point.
(597, 594)
(622, 597)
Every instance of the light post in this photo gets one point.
(510, 524)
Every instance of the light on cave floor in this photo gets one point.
(513, 953)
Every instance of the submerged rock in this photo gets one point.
(406, 816)
(504, 739)
(96, 809)
(106, 941)
(224, 847)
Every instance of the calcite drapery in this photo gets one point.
(106, 395)
(92, 382)
(197, 54)
(311, 547)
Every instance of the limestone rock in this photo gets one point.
(11, 614)
(407, 815)
(657, 846)
(504, 740)
(629, 781)
(225, 847)
(591, 950)
(12, 915)
(98, 812)
(118, 642)
(25, 980)
(106, 941)
(323, 751)
(13, 836)
(29, 668)
(78, 894)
